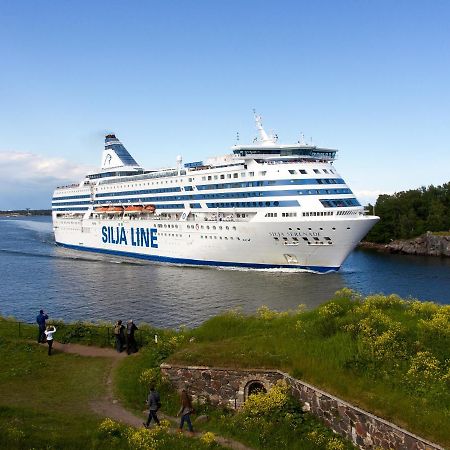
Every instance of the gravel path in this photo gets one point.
(109, 406)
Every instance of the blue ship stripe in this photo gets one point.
(196, 262)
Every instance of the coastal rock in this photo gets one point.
(428, 244)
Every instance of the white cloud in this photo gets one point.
(28, 180)
(33, 168)
(365, 197)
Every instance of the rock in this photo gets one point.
(202, 419)
(428, 244)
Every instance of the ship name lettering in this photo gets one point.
(139, 236)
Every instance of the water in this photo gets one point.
(73, 286)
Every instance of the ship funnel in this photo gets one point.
(115, 155)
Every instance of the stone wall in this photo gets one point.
(230, 387)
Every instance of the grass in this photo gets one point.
(44, 401)
(386, 355)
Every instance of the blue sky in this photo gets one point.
(181, 77)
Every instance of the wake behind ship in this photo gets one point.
(265, 205)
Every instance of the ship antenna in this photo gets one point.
(262, 134)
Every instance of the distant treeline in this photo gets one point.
(27, 212)
(409, 214)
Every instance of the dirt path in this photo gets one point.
(109, 406)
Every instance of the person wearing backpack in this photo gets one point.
(154, 403)
(119, 335)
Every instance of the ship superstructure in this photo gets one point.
(265, 205)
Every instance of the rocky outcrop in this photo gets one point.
(428, 244)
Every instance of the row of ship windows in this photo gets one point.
(219, 237)
(207, 178)
(223, 177)
(210, 227)
(339, 203)
(210, 187)
(227, 195)
(269, 204)
(276, 238)
(252, 174)
(317, 213)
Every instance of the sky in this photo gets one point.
(370, 78)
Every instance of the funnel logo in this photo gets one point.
(107, 161)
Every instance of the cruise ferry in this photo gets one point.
(265, 205)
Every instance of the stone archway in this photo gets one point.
(254, 387)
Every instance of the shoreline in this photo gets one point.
(428, 244)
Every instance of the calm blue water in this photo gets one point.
(70, 285)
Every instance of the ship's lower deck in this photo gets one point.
(316, 245)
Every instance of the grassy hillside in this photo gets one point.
(385, 354)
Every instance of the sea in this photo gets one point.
(36, 274)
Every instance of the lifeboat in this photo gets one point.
(114, 209)
(134, 208)
(101, 209)
(150, 208)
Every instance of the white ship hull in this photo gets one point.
(265, 205)
(254, 245)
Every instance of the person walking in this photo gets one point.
(154, 403)
(119, 335)
(49, 334)
(185, 411)
(40, 320)
(131, 341)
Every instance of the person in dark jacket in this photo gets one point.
(119, 335)
(154, 404)
(131, 341)
(40, 320)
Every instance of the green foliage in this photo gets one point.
(276, 420)
(156, 438)
(411, 213)
(385, 353)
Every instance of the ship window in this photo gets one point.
(292, 172)
(235, 175)
(216, 177)
(228, 175)
(305, 238)
(209, 177)
(325, 170)
(251, 174)
(222, 177)
(316, 170)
